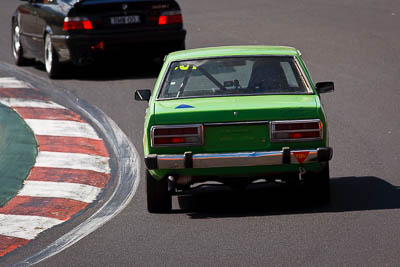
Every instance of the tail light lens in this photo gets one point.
(303, 130)
(77, 23)
(170, 17)
(177, 135)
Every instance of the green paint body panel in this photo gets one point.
(18, 151)
(249, 108)
(220, 109)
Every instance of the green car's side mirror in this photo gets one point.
(143, 95)
(325, 87)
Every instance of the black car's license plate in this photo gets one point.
(125, 20)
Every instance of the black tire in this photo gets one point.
(16, 46)
(318, 186)
(51, 62)
(159, 200)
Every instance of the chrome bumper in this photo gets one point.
(242, 159)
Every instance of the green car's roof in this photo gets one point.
(223, 51)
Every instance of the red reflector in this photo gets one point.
(301, 156)
(77, 25)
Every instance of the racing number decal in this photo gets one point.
(185, 67)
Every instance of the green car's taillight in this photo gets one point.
(299, 130)
(177, 135)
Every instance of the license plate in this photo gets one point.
(125, 20)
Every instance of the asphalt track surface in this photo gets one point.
(354, 43)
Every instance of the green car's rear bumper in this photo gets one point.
(242, 159)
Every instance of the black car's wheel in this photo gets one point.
(16, 46)
(159, 199)
(53, 66)
(318, 186)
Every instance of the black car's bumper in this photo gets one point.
(75, 47)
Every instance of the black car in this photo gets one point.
(79, 31)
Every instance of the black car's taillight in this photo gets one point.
(299, 130)
(170, 17)
(77, 23)
(177, 135)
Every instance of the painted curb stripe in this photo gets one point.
(11, 82)
(80, 192)
(26, 102)
(22, 92)
(59, 208)
(8, 244)
(72, 161)
(69, 176)
(72, 145)
(48, 114)
(25, 226)
(62, 128)
(72, 166)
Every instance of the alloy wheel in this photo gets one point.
(48, 54)
(16, 42)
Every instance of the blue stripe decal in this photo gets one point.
(237, 155)
(184, 106)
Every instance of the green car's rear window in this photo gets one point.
(233, 76)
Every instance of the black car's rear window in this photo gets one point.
(233, 76)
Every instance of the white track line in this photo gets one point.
(25, 226)
(11, 82)
(62, 128)
(80, 192)
(72, 161)
(28, 103)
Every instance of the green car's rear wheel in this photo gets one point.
(159, 199)
(318, 186)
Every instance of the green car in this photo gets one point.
(235, 115)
